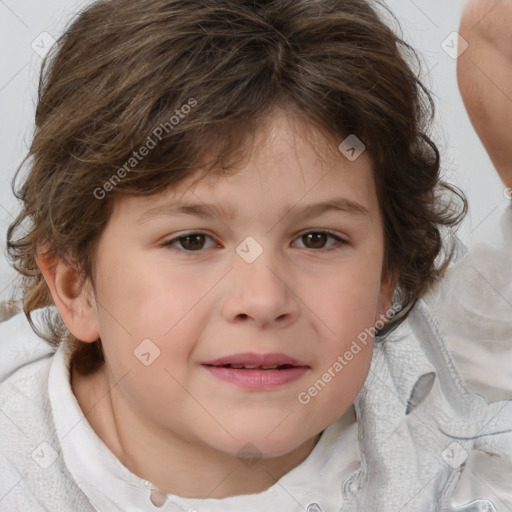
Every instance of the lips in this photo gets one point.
(257, 372)
(250, 361)
(256, 367)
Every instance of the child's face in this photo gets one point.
(307, 298)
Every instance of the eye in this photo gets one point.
(190, 242)
(195, 242)
(317, 239)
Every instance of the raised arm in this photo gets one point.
(473, 303)
(484, 74)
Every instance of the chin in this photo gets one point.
(253, 445)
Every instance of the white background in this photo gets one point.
(425, 24)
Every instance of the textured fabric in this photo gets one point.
(416, 459)
(434, 424)
(473, 306)
(32, 477)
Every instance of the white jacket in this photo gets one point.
(433, 430)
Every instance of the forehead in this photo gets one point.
(289, 164)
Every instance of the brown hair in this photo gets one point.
(125, 68)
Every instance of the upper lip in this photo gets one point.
(256, 360)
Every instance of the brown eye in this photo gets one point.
(316, 240)
(319, 239)
(191, 242)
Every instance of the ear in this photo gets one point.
(387, 290)
(75, 301)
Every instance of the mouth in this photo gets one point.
(251, 361)
(255, 367)
(257, 371)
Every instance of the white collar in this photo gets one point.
(109, 485)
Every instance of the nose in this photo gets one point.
(260, 293)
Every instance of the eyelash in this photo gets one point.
(171, 243)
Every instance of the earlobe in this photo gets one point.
(74, 300)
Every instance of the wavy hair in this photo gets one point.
(123, 68)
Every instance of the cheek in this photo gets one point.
(152, 371)
(145, 298)
(346, 300)
(335, 385)
(151, 332)
(347, 306)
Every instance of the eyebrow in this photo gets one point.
(207, 210)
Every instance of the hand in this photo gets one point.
(484, 73)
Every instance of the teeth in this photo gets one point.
(270, 367)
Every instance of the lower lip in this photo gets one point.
(257, 379)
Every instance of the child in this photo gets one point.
(227, 201)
